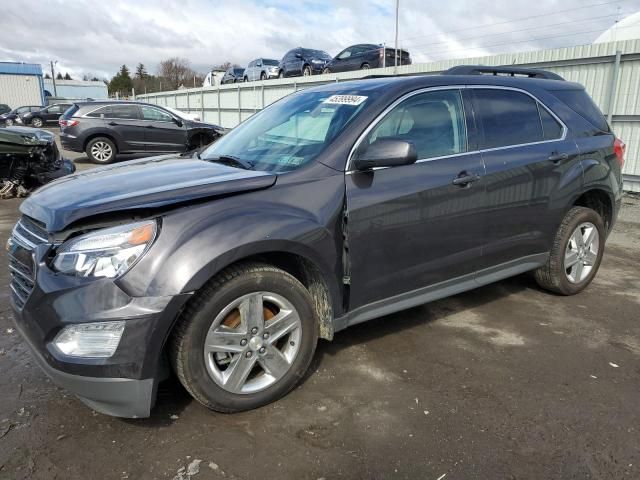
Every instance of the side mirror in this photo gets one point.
(177, 121)
(385, 153)
(259, 64)
(298, 55)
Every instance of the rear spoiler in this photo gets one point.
(508, 71)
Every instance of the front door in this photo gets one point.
(162, 132)
(123, 121)
(417, 225)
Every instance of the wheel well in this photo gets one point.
(599, 201)
(96, 135)
(364, 63)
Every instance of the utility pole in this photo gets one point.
(396, 44)
(53, 78)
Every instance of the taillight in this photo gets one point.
(68, 123)
(619, 148)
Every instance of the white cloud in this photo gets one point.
(97, 37)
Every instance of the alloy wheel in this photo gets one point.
(101, 151)
(8, 122)
(581, 253)
(252, 342)
(36, 122)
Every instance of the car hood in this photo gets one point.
(20, 140)
(139, 184)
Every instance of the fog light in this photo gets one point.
(99, 339)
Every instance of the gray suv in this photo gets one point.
(261, 69)
(333, 206)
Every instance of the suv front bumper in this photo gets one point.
(122, 385)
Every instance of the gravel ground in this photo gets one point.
(504, 382)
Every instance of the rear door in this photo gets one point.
(123, 120)
(526, 157)
(162, 132)
(410, 226)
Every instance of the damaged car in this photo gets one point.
(29, 158)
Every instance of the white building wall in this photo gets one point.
(17, 90)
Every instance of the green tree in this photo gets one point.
(67, 76)
(121, 83)
(141, 71)
(59, 76)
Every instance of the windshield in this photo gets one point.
(317, 54)
(289, 133)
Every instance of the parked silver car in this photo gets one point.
(261, 69)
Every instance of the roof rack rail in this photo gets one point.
(502, 70)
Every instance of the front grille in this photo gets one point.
(27, 234)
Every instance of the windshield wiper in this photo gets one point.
(232, 161)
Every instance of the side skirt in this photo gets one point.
(440, 290)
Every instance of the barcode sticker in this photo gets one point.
(345, 99)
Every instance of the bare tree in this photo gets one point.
(174, 72)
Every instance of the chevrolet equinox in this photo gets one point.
(333, 206)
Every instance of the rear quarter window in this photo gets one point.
(69, 112)
(581, 103)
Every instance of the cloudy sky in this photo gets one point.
(96, 37)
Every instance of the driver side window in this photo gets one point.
(433, 121)
(345, 54)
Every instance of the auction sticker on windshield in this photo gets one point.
(345, 99)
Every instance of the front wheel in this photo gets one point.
(246, 339)
(263, 76)
(576, 253)
(281, 74)
(306, 71)
(326, 71)
(37, 122)
(8, 122)
(365, 66)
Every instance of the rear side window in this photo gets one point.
(551, 128)
(125, 112)
(580, 102)
(507, 118)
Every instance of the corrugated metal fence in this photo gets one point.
(609, 71)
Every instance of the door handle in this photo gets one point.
(149, 126)
(113, 124)
(558, 157)
(465, 179)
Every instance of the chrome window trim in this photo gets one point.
(129, 119)
(380, 117)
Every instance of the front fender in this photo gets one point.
(194, 245)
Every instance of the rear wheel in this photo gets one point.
(576, 253)
(246, 339)
(365, 66)
(101, 150)
(281, 74)
(326, 71)
(37, 122)
(263, 76)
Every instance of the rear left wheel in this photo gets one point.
(246, 339)
(101, 150)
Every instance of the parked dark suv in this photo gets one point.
(330, 207)
(106, 129)
(44, 116)
(302, 61)
(365, 56)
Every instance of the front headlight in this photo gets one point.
(317, 61)
(109, 252)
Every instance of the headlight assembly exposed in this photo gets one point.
(108, 252)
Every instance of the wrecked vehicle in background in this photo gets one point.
(29, 158)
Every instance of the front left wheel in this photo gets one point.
(37, 122)
(246, 339)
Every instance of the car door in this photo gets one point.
(52, 113)
(415, 226)
(341, 60)
(294, 65)
(526, 156)
(163, 132)
(124, 122)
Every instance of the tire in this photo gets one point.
(326, 71)
(281, 74)
(37, 122)
(306, 71)
(571, 267)
(263, 76)
(8, 122)
(202, 372)
(365, 66)
(101, 150)
(245, 79)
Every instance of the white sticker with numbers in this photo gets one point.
(345, 99)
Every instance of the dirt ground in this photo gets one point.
(504, 382)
